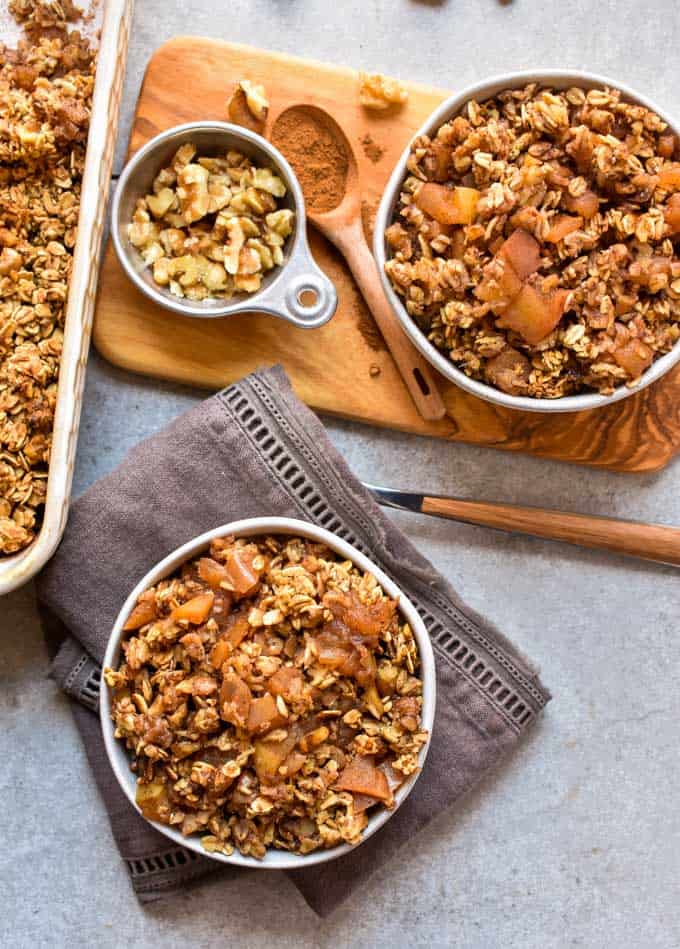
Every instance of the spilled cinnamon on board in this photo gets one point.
(319, 160)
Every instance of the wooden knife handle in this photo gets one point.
(648, 541)
(415, 370)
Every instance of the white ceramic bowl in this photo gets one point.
(447, 110)
(118, 754)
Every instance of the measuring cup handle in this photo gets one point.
(301, 275)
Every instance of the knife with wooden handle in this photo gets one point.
(655, 542)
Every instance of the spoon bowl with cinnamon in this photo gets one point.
(321, 155)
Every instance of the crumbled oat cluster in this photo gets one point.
(212, 226)
(378, 92)
(270, 697)
(45, 95)
(535, 240)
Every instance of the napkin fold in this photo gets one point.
(251, 450)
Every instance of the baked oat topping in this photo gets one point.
(270, 697)
(213, 226)
(378, 92)
(45, 97)
(535, 240)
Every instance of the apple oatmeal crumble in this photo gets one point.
(45, 95)
(212, 226)
(535, 240)
(270, 696)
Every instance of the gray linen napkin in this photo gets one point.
(254, 449)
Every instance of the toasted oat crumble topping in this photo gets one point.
(45, 96)
(213, 226)
(269, 696)
(535, 240)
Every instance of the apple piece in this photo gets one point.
(559, 176)
(466, 202)
(212, 572)
(152, 800)
(527, 218)
(362, 802)
(672, 214)
(509, 371)
(235, 700)
(220, 653)
(634, 356)
(643, 270)
(196, 610)
(286, 682)
(499, 285)
(144, 612)
(361, 776)
(562, 226)
(237, 628)
(263, 715)
(624, 304)
(269, 756)
(586, 205)
(669, 177)
(534, 314)
(522, 252)
(666, 145)
(244, 576)
(447, 205)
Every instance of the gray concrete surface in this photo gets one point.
(575, 842)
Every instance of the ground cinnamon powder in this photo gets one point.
(318, 158)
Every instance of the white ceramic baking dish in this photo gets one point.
(560, 79)
(18, 568)
(257, 526)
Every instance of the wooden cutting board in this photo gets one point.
(343, 368)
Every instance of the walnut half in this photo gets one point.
(378, 92)
(248, 106)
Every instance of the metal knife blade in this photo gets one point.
(402, 500)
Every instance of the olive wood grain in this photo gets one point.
(344, 368)
(345, 230)
(635, 539)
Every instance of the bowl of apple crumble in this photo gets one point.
(528, 241)
(268, 695)
(208, 220)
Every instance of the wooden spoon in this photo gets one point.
(342, 226)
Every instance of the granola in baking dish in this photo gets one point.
(270, 697)
(45, 95)
(212, 226)
(535, 240)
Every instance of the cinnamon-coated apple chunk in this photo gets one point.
(634, 356)
(448, 205)
(534, 314)
(523, 252)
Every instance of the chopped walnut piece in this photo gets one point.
(256, 99)
(212, 226)
(283, 732)
(248, 106)
(378, 92)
